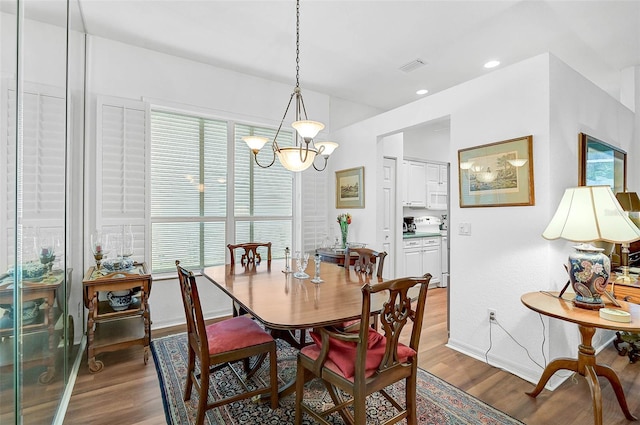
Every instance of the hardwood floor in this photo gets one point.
(127, 391)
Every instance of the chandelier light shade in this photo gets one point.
(329, 147)
(293, 159)
(303, 154)
(255, 143)
(589, 214)
(308, 129)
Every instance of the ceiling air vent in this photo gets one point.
(413, 65)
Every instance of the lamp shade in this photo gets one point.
(329, 147)
(307, 129)
(591, 213)
(291, 159)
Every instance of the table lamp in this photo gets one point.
(631, 204)
(588, 214)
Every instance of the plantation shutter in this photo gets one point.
(43, 163)
(121, 166)
(315, 204)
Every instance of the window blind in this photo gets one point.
(188, 190)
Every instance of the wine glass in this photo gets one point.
(46, 251)
(128, 241)
(99, 243)
(301, 263)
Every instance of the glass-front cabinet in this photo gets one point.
(41, 123)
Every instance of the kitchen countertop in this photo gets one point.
(419, 235)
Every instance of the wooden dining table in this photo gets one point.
(281, 301)
(285, 304)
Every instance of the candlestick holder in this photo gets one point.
(316, 262)
(287, 261)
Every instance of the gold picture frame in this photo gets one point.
(601, 164)
(350, 188)
(498, 174)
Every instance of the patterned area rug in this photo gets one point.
(439, 403)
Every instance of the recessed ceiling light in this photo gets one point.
(422, 91)
(492, 64)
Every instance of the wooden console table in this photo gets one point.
(110, 330)
(588, 321)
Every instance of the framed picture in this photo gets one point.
(599, 164)
(350, 188)
(497, 175)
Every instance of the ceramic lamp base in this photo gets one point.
(589, 270)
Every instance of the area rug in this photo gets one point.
(439, 403)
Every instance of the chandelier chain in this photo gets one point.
(298, 43)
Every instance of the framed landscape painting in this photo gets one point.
(497, 175)
(350, 188)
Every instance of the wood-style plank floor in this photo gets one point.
(127, 391)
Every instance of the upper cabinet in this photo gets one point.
(414, 190)
(426, 185)
(437, 186)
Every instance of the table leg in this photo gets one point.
(610, 374)
(586, 366)
(553, 367)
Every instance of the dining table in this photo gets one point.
(285, 304)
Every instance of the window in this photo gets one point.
(263, 206)
(189, 177)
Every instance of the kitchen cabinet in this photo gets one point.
(415, 174)
(422, 255)
(437, 184)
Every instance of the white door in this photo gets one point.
(387, 209)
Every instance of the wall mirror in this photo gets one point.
(601, 164)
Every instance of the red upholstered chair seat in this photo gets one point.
(342, 354)
(235, 333)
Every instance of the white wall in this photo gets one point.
(505, 256)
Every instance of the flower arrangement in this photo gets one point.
(344, 220)
(346, 217)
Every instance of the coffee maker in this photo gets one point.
(408, 225)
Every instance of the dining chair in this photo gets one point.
(220, 344)
(250, 253)
(365, 266)
(250, 258)
(364, 362)
(366, 261)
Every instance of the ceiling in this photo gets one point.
(353, 49)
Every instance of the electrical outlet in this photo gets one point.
(492, 315)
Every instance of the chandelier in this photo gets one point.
(303, 154)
